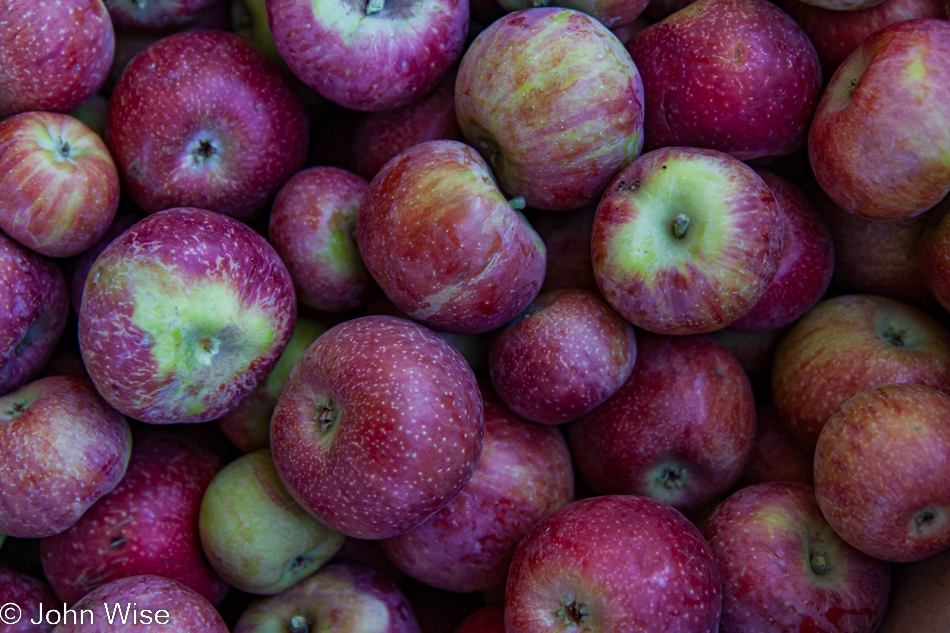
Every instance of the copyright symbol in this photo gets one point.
(10, 614)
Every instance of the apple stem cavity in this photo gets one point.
(518, 203)
(374, 6)
(680, 224)
(206, 348)
(573, 613)
(14, 410)
(327, 415)
(62, 149)
(299, 624)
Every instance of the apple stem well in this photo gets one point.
(327, 415)
(205, 150)
(299, 624)
(374, 6)
(818, 563)
(680, 224)
(572, 614)
(205, 349)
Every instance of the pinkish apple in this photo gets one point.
(524, 98)
(379, 427)
(686, 240)
(202, 119)
(23, 596)
(183, 315)
(680, 430)
(444, 245)
(610, 564)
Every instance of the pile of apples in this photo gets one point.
(449, 316)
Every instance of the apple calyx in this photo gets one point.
(680, 224)
(327, 415)
(924, 520)
(299, 624)
(818, 563)
(573, 613)
(894, 336)
(672, 477)
(374, 6)
(14, 410)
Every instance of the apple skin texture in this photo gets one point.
(183, 315)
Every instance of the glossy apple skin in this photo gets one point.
(806, 266)
(784, 569)
(254, 534)
(610, 13)
(882, 477)
(488, 619)
(148, 524)
(776, 454)
(62, 449)
(680, 429)
(312, 226)
(27, 593)
(379, 427)
(850, 343)
(55, 58)
(202, 119)
(836, 33)
(629, 562)
(443, 244)
(187, 610)
(154, 14)
(58, 183)
(739, 76)
(183, 315)
(934, 254)
(566, 354)
(523, 475)
(717, 271)
(343, 598)
(878, 142)
(369, 62)
(34, 290)
(523, 99)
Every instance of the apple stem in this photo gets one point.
(518, 203)
(63, 148)
(299, 624)
(374, 6)
(680, 223)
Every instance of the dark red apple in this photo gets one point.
(566, 236)
(776, 454)
(23, 596)
(488, 619)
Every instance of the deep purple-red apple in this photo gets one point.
(379, 427)
(183, 315)
(201, 119)
(739, 76)
(554, 103)
(23, 598)
(610, 564)
(784, 569)
(442, 242)
(686, 240)
(373, 55)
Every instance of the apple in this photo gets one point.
(934, 254)
(36, 299)
(312, 226)
(524, 99)
(680, 430)
(247, 425)
(443, 244)
(686, 240)
(61, 449)
(343, 598)
(738, 76)
(523, 475)
(148, 524)
(23, 596)
(488, 619)
(142, 604)
(369, 56)
(154, 14)
(784, 569)
(805, 267)
(202, 119)
(610, 13)
(58, 183)
(565, 355)
(255, 536)
(658, 9)
(566, 236)
(610, 564)
(81, 264)
(754, 351)
(850, 343)
(776, 454)
(379, 427)
(880, 138)
(183, 315)
(55, 58)
(835, 33)
(882, 477)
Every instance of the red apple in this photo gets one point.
(848, 344)
(379, 427)
(202, 119)
(523, 475)
(566, 236)
(488, 619)
(442, 242)
(934, 254)
(24, 597)
(776, 454)
(784, 569)
(566, 354)
(58, 183)
(739, 76)
(879, 141)
(148, 524)
(686, 240)
(183, 315)
(524, 99)
(611, 564)
(369, 56)
(312, 226)
(680, 430)
(81, 265)
(53, 56)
